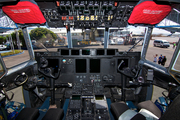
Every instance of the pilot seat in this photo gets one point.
(148, 110)
(33, 114)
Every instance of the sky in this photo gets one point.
(139, 30)
(165, 22)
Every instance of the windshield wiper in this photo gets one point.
(44, 47)
(134, 45)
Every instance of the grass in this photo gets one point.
(11, 53)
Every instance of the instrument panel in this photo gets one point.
(87, 65)
(92, 72)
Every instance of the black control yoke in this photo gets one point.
(126, 71)
(48, 73)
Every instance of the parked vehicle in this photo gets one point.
(3, 47)
(120, 41)
(8, 45)
(112, 42)
(161, 43)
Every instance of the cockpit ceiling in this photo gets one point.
(87, 14)
(174, 14)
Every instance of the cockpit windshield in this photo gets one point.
(121, 39)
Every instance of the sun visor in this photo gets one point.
(148, 12)
(24, 12)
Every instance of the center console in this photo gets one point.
(87, 103)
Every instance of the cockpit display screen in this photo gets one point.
(80, 65)
(94, 65)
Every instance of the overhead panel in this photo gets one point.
(86, 14)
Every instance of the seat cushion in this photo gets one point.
(118, 108)
(150, 106)
(28, 114)
(138, 117)
(54, 114)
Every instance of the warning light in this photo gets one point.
(96, 17)
(87, 17)
(58, 4)
(115, 4)
(71, 17)
(92, 17)
(77, 17)
(82, 17)
(63, 17)
(109, 18)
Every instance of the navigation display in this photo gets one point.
(80, 65)
(94, 65)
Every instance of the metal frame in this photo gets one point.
(28, 43)
(69, 38)
(32, 58)
(175, 55)
(3, 66)
(106, 37)
(176, 52)
(172, 20)
(6, 22)
(146, 42)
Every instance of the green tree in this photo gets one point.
(13, 35)
(21, 37)
(2, 39)
(41, 33)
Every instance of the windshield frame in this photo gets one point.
(175, 61)
(3, 66)
(174, 73)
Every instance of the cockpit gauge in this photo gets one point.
(64, 61)
(67, 61)
(108, 78)
(105, 78)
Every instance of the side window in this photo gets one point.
(13, 49)
(159, 54)
(176, 65)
